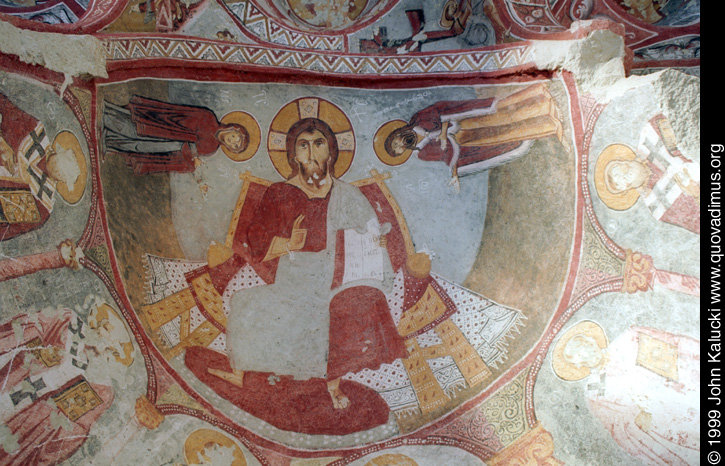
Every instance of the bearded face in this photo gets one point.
(312, 154)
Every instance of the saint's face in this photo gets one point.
(624, 175)
(312, 152)
(402, 141)
(233, 140)
(583, 351)
(62, 167)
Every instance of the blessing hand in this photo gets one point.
(298, 236)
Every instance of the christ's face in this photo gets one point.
(312, 153)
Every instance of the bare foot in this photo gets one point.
(339, 400)
(236, 377)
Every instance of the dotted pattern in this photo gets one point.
(484, 323)
(171, 332)
(246, 277)
(165, 276)
(388, 377)
(195, 318)
(396, 297)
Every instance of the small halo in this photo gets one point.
(615, 201)
(564, 369)
(198, 441)
(70, 141)
(379, 144)
(252, 127)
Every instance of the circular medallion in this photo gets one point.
(330, 15)
(196, 445)
(391, 460)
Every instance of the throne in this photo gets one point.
(189, 306)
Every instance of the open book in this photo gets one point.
(363, 255)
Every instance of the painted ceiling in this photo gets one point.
(365, 232)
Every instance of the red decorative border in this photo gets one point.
(97, 233)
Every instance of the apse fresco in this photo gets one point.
(349, 208)
(300, 233)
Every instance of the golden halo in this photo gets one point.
(70, 141)
(379, 144)
(202, 438)
(447, 21)
(619, 201)
(310, 107)
(565, 370)
(252, 127)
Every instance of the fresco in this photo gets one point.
(635, 356)
(50, 12)
(299, 233)
(210, 292)
(661, 34)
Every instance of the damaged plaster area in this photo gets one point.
(70, 55)
(598, 65)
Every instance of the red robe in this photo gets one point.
(430, 119)
(184, 123)
(362, 332)
(40, 443)
(16, 126)
(281, 205)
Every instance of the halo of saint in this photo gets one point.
(610, 158)
(310, 107)
(200, 441)
(570, 359)
(391, 459)
(381, 135)
(67, 141)
(249, 123)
